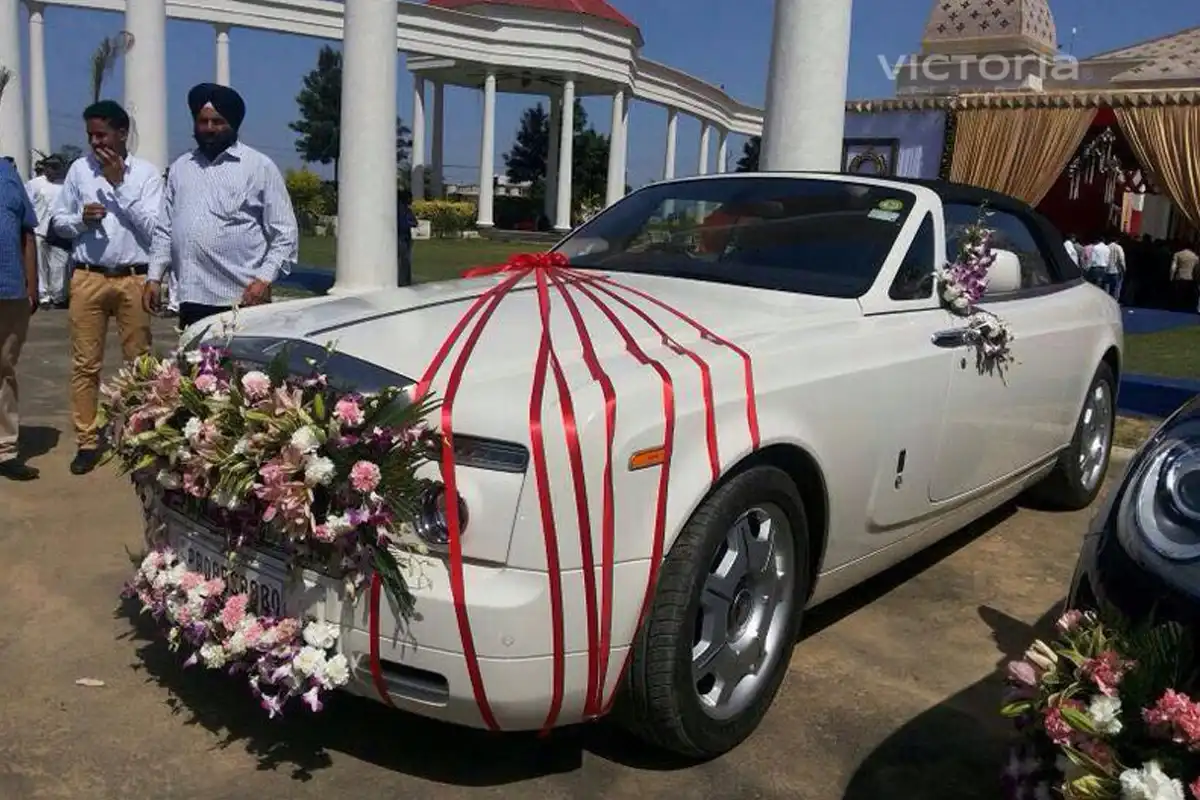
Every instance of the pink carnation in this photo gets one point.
(1057, 728)
(256, 384)
(1176, 717)
(364, 476)
(1106, 671)
(1195, 789)
(347, 411)
(234, 611)
(1069, 621)
(206, 384)
(190, 580)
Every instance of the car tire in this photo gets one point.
(676, 705)
(1077, 477)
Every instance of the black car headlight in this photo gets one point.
(1157, 515)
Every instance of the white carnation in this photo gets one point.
(305, 440)
(1150, 783)
(168, 479)
(337, 671)
(241, 446)
(213, 656)
(309, 662)
(1105, 713)
(321, 635)
(319, 471)
(191, 428)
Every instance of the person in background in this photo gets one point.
(1097, 259)
(53, 251)
(226, 230)
(1115, 277)
(1183, 279)
(405, 222)
(107, 207)
(1074, 251)
(18, 301)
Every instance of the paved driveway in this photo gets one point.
(892, 694)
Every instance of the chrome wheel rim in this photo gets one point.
(1095, 435)
(743, 616)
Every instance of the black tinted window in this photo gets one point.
(1010, 233)
(914, 280)
(797, 234)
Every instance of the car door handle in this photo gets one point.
(952, 337)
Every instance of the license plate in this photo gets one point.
(243, 576)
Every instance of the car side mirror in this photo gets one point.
(1004, 276)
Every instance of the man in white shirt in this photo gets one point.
(1116, 268)
(52, 260)
(1098, 257)
(107, 207)
(1072, 247)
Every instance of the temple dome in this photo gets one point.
(980, 27)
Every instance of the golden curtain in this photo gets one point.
(1020, 152)
(1166, 141)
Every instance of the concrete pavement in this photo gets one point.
(892, 694)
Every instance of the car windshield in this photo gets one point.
(821, 237)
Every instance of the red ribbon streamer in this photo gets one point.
(552, 269)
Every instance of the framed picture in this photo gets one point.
(870, 156)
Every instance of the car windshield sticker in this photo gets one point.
(885, 216)
(891, 204)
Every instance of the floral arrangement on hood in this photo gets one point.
(272, 461)
(1105, 712)
(962, 284)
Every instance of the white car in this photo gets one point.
(829, 418)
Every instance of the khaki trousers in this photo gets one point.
(14, 326)
(95, 298)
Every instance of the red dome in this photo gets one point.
(591, 8)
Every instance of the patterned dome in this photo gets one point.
(981, 27)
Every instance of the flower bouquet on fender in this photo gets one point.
(962, 284)
(1105, 711)
(270, 460)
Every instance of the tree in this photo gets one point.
(105, 58)
(526, 161)
(320, 123)
(750, 153)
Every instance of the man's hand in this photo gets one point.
(152, 297)
(257, 293)
(93, 213)
(34, 304)
(111, 165)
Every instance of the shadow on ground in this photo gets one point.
(365, 730)
(38, 440)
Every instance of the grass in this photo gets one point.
(1174, 353)
(433, 259)
(1132, 431)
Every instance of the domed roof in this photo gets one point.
(981, 27)
(590, 8)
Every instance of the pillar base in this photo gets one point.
(485, 224)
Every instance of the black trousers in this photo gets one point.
(191, 313)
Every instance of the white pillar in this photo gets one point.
(672, 135)
(12, 103)
(566, 155)
(417, 155)
(551, 204)
(223, 72)
(722, 149)
(805, 115)
(366, 242)
(487, 153)
(39, 102)
(705, 143)
(439, 140)
(623, 171)
(615, 181)
(146, 78)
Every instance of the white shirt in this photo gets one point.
(1116, 261)
(224, 223)
(123, 237)
(1072, 252)
(1101, 255)
(44, 194)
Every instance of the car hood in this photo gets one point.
(402, 329)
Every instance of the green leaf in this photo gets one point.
(1078, 720)
(1092, 787)
(1016, 709)
(319, 406)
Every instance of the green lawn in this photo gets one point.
(433, 259)
(1174, 353)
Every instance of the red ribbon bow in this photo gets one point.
(520, 262)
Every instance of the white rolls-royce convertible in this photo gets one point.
(718, 403)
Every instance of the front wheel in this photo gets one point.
(714, 647)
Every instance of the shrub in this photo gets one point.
(448, 219)
(307, 192)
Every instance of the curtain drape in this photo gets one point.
(1166, 140)
(1017, 151)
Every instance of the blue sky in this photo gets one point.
(723, 41)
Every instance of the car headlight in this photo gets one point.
(1157, 516)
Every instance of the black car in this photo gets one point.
(1141, 555)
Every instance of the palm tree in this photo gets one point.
(105, 59)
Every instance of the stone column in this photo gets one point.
(146, 78)
(366, 242)
(672, 135)
(12, 103)
(705, 143)
(805, 116)
(223, 72)
(417, 155)
(722, 150)
(487, 153)
(566, 150)
(615, 181)
(439, 140)
(39, 100)
(551, 204)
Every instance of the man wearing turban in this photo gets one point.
(227, 230)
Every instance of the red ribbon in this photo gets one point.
(552, 270)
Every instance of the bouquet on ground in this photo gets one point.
(961, 286)
(1105, 712)
(271, 460)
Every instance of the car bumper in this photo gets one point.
(422, 662)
